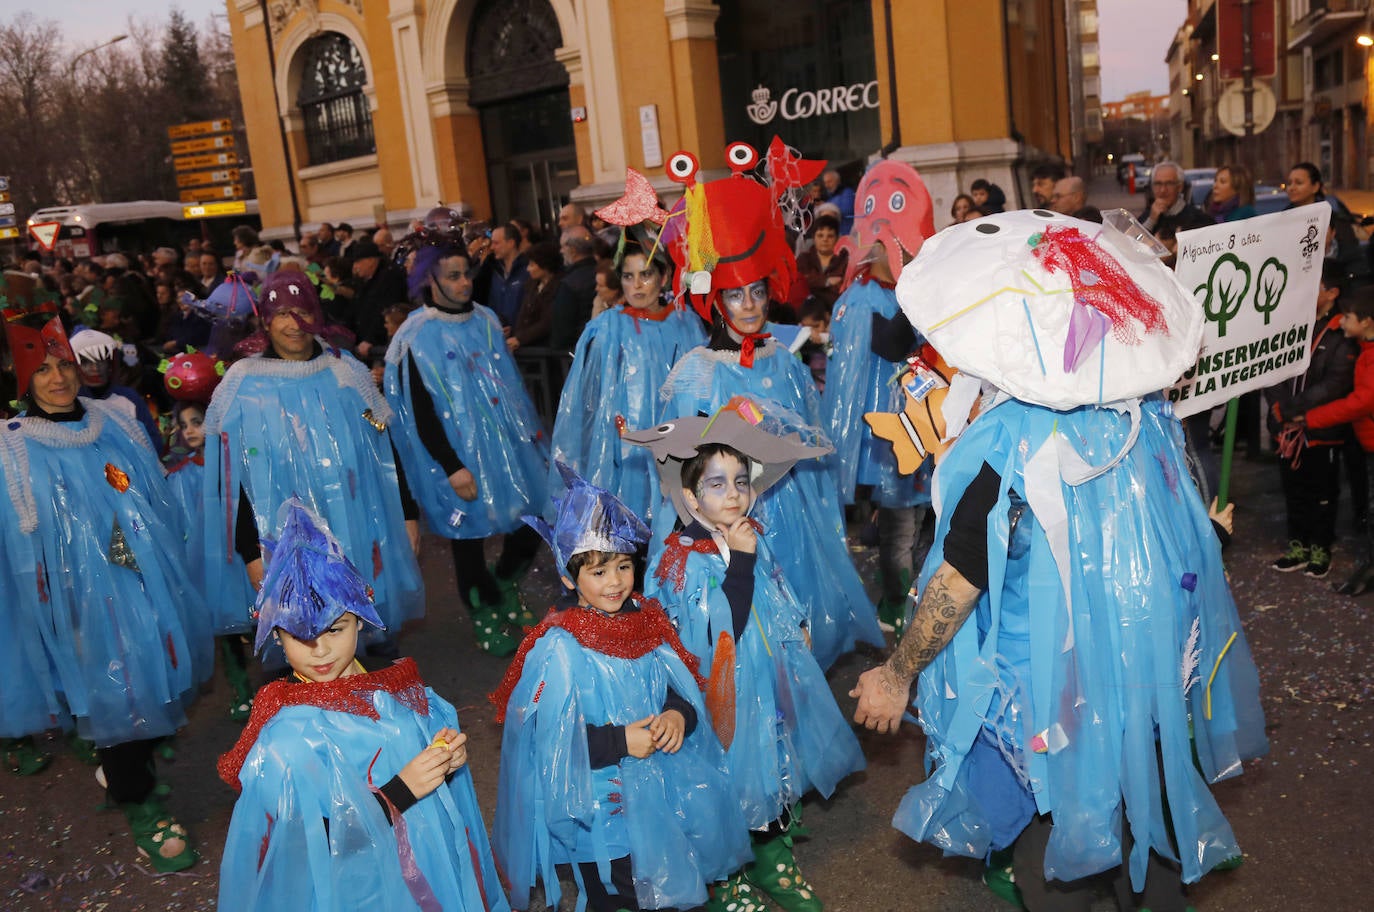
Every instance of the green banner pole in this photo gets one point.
(1228, 450)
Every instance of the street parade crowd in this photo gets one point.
(209, 469)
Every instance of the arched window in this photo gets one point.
(511, 50)
(338, 124)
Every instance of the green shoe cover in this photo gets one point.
(83, 750)
(489, 628)
(23, 757)
(735, 895)
(152, 827)
(998, 878)
(774, 871)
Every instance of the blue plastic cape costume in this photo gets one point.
(675, 814)
(1061, 688)
(801, 515)
(187, 480)
(789, 735)
(315, 429)
(620, 364)
(309, 835)
(487, 416)
(858, 381)
(103, 621)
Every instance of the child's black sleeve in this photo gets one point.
(606, 745)
(739, 589)
(400, 796)
(674, 700)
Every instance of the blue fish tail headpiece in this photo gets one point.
(309, 581)
(589, 519)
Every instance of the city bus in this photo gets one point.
(142, 226)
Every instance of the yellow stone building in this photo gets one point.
(385, 107)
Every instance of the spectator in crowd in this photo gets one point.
(535, 318)
(834, 191)
(344, 235)
(165, 258)
(821, 268)
(573, 306)
(379, 285)
(988, 197)
(211, 272)
(1070, 197)
(1043, 180)
(501, 282)
(310, 249)
(338, 276)
(245, 239)
(329, 245)
(1171, 212)
(1232, 196)
(529, 235)
(963, 204)
(384, 241)
(571, 215)
(1305, 186)
(140, 307)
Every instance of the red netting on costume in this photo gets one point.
(351, 695)
(1099, 281)
(624, 635)
(673, 564)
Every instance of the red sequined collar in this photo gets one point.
(692, 540)
(624, 635)
(639, 313)
(351, 695)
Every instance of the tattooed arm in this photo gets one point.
(883, 692)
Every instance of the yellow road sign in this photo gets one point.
(199, 128)
(206, 210)
(7, 234)
(208, 194)
(5, 197)
(206, 178)
(209, 160)
(205, 144)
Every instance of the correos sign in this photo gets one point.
(799, 104)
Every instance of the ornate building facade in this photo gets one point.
(372, 111)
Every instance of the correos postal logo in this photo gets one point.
(799, 104)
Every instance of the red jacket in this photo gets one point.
(1357, 409)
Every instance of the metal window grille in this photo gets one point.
(338, 122)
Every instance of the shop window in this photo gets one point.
(338, 121)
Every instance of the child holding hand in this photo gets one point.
(608, 770)
(355, 791)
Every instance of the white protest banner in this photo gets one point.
(1256, 281)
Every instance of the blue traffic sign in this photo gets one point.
(4, 184)
(7, 221)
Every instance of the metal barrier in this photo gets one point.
(544, 370)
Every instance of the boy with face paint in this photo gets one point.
(736, 611)
(747, 266)
(353, 780)
(607, 766)
(472, 444)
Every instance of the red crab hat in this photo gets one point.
(728, 233)
(32, 326)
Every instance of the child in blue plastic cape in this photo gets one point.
(1083, 672)
(474, 450)
(622, 359)
(733, 605)
(303, 419)
(187, 478)
(103, 628)
(354, 786)
(608, 764)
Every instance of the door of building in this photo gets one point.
(521, 91)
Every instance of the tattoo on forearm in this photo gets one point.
(947, 601)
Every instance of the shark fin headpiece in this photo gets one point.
(589, 519)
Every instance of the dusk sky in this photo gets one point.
(1133, 35)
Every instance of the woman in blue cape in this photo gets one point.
(737, 613)
(802, 517)
(305, 420)
(622, 359)
(354, 785)
(105, 627)
(475, 453)
(608, 764)
(1083, 671)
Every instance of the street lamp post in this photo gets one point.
(76, 108)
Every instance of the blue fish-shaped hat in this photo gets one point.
(309, 581)
(589, 519)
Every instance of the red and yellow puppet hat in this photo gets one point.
(33, 328)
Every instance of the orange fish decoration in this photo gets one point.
(918, 430)
(720, 689)
(116, 477)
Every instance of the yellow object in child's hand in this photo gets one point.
(439, 742)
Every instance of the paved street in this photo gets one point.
(1301, 813)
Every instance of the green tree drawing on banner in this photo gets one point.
(1226, 287)
(1269, 286)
